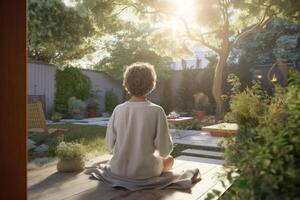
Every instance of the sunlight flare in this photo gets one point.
(182, 10)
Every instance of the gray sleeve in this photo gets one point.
(163, 141)
(111, 133)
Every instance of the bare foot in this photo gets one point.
(168, 163)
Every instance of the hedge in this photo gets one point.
(70, 82)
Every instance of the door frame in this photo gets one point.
(13, 99)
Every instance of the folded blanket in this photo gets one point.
(182, 179)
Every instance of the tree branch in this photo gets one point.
(245, 33)
(146, 11)
(121, 10)
(200, 40)
(210, 32)
(224, 10)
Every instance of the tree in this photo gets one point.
(227, 23)
(280, 39)
(206, 81)
(57, 33)
(105, 15)
(129, 46)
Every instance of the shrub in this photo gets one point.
(111, 101)
(70, 82)
(92, 103)
(76, 105)
(196, 124)
(266, 152)
(201, 102)
(56, 117)
(70, 151)
(166, 96)
(186, 90)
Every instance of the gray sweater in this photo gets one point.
(139, 138)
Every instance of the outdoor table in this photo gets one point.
(180, 121)
(222, 129)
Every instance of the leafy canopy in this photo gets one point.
(57, 33)
(280, 39)
(129, 46)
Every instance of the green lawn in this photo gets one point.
(91, 136)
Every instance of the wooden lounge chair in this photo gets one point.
(36, 119)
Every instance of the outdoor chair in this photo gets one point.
(36, 119)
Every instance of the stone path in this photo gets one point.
(195, 138)
(202, 147)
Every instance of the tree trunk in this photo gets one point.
(217, 87)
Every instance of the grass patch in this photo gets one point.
(92, 137)
(178, 148)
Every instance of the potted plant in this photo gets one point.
(92, 107)
(92, 103)
(56, 117)
(71, 157)
(202, 105)
(76, 108)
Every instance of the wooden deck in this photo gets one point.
(48, 184)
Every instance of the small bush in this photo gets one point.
(111, 101)
(70, 82)
(92, 103)
(76, 105)
(92, 100)
(201, 102)
(56, 117)
(70, 151)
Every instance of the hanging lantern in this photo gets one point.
(274, 78)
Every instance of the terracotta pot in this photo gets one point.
(92, 112)
(200, 114)
(70, 166)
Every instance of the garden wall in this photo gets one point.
(41, 85)
(176, 78)
(100, 83)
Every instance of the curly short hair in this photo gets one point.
(139, 79)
